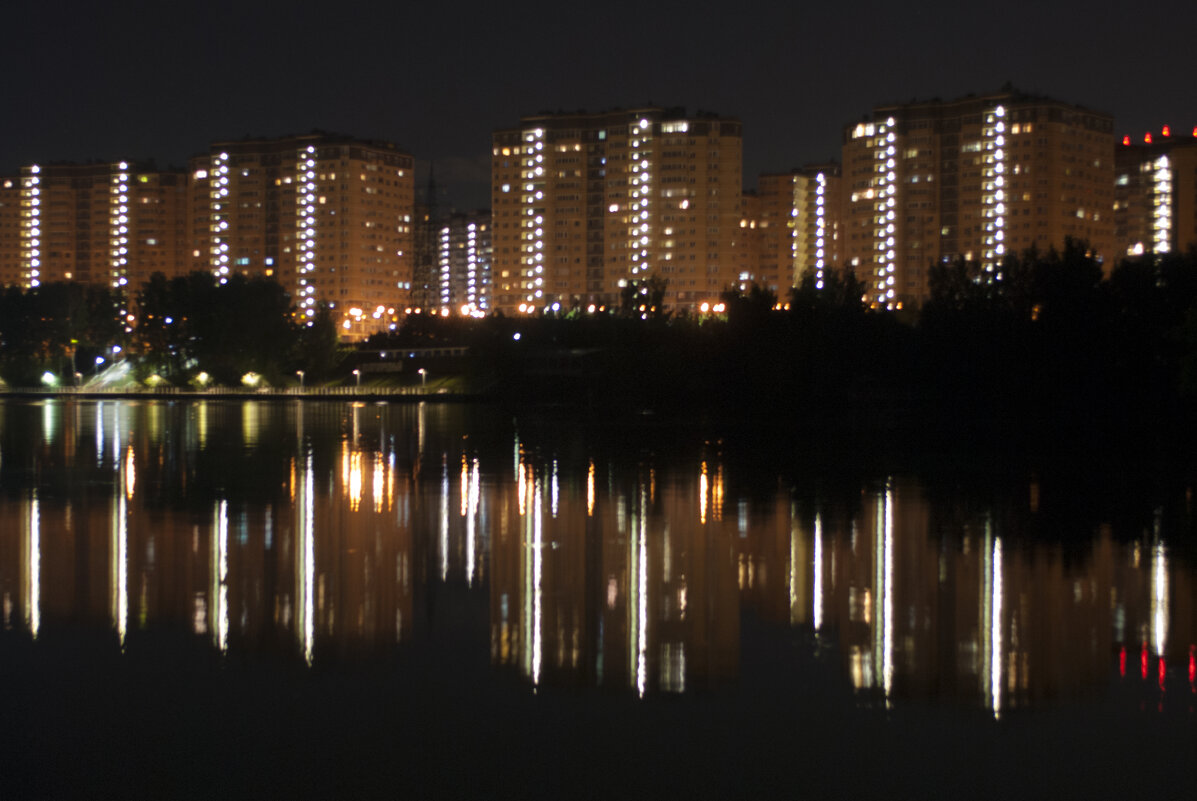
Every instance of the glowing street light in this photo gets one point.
(423, 378)
(300, 374)
(357, 375)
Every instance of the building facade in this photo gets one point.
(797, 226)
(1155, 194)
(463, 263)
(583, 204)
(327, 216)
(976, 179)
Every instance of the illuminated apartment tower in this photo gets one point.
(976, 178)
(585, 203)
(463, 263)
(328, 216)
(112, 224)
(1155, 194)
(797, 226)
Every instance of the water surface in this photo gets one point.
(323, 597)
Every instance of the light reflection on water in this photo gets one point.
(323, 529)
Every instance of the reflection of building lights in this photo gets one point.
(590, 490)
(1159, 599)
(306, 556)
(220, 575)
(33, 600)
(817, 611)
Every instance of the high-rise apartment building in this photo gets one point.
(102, 223)
(796, 227)
(975, 178)
(328, 216)
(584, 203)
(463, 259)
(1155, 194)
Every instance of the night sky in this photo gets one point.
(161, 80)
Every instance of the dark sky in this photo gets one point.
(163, 79)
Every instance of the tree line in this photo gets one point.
(185, 328)
(1049, 338)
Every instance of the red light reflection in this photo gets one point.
(1143, 661)
(1122, 661)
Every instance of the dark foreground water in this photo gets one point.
(296, 599)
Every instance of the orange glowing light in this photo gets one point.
(1167, 130)
(1126, 139)
(1147, 138)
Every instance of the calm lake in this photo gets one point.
(318, 599)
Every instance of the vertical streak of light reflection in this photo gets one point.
(555, 489)
(887, 608)
(703, 489)
(379, 476)
(537, 576)
(995, 631)
(465, 486)
(590, 490)
(120, 550)
(471, 524)
(817, 611)
(99, 432)
(220, 574)
(444, 528)
(794, 567)
(34, 604)
(1159, 598)
(526, 573)
(307, 539)
(642, 597)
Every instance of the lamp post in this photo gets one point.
(300, 374)
(357, 375)
(423, 379)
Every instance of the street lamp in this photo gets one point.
(357, 375)
(423, 378)
(300, 374)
